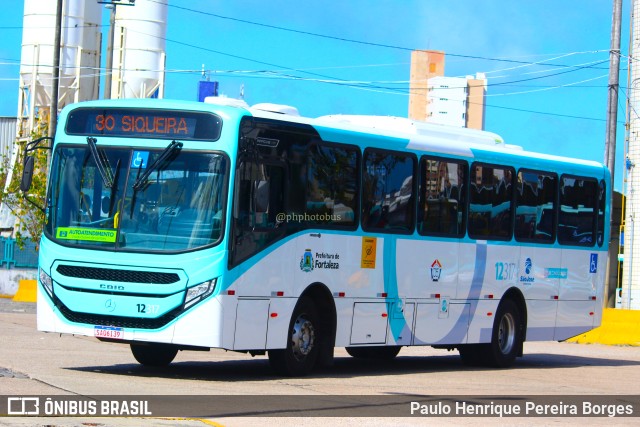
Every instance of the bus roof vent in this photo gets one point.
(223, 100)
(276, 108)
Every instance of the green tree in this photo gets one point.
(27, 208)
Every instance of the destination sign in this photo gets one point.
(144, 123)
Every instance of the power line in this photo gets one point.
(342, 39)
(343, 82)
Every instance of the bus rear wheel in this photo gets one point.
(299, 358)
(376, 353)
(506, 340)
(155, 355)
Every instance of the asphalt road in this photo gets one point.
(35, 363)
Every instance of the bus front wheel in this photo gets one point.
(155, 355)
(300, 356)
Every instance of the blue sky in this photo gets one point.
(531, 51)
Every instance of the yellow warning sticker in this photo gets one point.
(368, 259)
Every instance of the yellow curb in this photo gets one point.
(202, 420)
(6, 296)
(26, 291)
(209, 422)
(619, 327)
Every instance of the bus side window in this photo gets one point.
(491, 202)
(332, 186)
(388, 196)
(602, 203)
(577, 217)
(442, 197)
(535, 206)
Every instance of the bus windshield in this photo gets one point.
(150, 200)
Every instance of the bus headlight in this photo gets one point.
(199, 292)
(46, 281)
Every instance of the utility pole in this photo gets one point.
(53, 114)
(612, 106)
(612, 112)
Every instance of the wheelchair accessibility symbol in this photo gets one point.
(593, 264)
(139, 159)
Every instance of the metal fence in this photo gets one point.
(13, 256)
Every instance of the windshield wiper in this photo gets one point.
(164, 159)
(102, 162)
(112, 200)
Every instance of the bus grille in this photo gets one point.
(118, 321)
(113, 275)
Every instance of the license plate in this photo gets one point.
(108, 332)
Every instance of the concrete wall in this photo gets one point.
(10, 279)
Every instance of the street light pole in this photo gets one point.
(112, 24)
(107, 80)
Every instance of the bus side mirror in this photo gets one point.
(27, 173)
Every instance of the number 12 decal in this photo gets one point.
(148, 308)
(506, 271)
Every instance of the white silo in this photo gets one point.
(79, 66)
(139, 50)
(79, 55)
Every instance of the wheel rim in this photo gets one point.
(507, 333)
(303, 337)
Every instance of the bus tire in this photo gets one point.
(299, 358)
(506, 337)
(377, 353)
(155, 355)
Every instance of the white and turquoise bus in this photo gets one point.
(187, 226)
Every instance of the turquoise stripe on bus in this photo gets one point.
(396, 323)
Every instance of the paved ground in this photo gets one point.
(35, 363)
